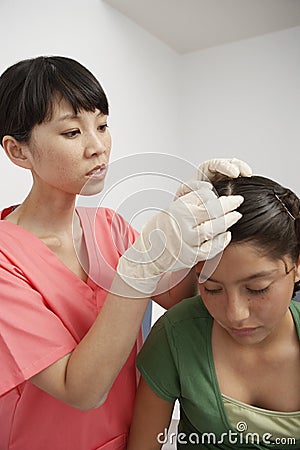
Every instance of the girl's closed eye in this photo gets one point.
(252, 291)
(258, 291)
(213, 291)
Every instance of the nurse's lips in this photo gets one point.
(98, 172)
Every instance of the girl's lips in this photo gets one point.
(243, 331)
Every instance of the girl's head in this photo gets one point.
(270, 217)
(249, 291)
(29, 89)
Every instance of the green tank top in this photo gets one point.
(177, 363)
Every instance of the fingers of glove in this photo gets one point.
(203, 171)
(213, 247)
(216, 207)
(191, 186)
(211, 228)
(209, 169)
(198, 197)
(244, 169)
(190, 215)
(187, 187)
(224, 167)
(231, 168)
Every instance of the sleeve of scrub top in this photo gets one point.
(157, 362)
(31, 336)
(123, 233)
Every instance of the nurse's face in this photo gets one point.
(248, 295)
(70, 153)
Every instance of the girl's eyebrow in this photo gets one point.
(262, 274)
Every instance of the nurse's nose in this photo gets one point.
(96, 144)
(237, 309)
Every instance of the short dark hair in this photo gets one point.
(270, 216)
(29, 88)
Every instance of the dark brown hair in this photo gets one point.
(29, 88)
(270, 216)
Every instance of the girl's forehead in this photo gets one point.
(247, 255)
(241, 261)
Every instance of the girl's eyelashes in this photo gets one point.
(212, 291)
(250, 291)
(258, 291)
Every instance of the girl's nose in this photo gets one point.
(237, 309)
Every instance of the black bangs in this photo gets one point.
(52, 77)
(29, 88)
(75, 84)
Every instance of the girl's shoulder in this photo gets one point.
(188, 311)
(295, 310)
(295, 307)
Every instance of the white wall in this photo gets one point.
(138, 72)
(240, 99)
(243, 100)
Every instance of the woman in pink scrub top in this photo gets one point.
(69, 324)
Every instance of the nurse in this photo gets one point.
(73, 288)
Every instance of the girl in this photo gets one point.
(68, 335)
(231, 356)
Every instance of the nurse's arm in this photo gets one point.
(176, 286)
(151, 420)
(83, 378)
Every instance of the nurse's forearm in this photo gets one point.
(176, 286)
(83, 378)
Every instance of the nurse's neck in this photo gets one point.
(47, 216)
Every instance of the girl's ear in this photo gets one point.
(16, 151)
(297, 270)
(198, 268)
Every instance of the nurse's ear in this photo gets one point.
(16, 151)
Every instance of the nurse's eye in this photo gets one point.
(103, 128)
(258, 291)
(71, 134)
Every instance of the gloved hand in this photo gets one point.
(213, 170)
(192, 229)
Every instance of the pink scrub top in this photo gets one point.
(45, 310)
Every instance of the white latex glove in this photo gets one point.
(213, 170)
(192, 229)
